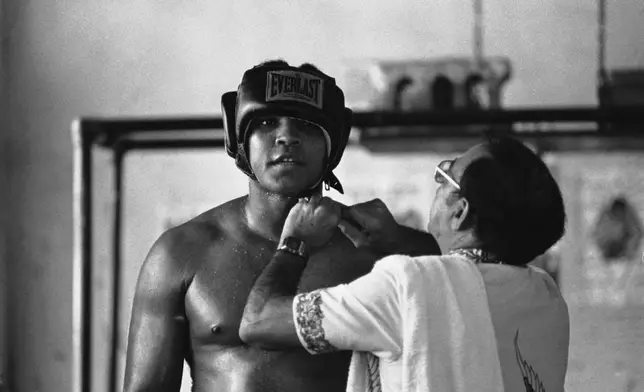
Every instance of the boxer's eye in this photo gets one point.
(268, 122)
(307, 126)
(311, 127)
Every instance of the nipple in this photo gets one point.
(215, 329)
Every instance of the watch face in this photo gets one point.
(293, 243)
(295, 246)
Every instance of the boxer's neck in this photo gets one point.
(266, 212)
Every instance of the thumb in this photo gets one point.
(359, 217)
(353, 233)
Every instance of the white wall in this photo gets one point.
(75, 58)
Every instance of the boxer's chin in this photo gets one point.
(289, 186)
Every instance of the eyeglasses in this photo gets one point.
(440, 174)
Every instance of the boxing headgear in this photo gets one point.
(283, 90)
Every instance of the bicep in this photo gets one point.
(157, 335)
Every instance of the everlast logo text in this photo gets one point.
(294, 86)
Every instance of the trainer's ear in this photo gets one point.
(461, 214)
(228, 105)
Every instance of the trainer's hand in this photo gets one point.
(371, 225)
(313, 220)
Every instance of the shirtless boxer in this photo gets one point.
(287, 128)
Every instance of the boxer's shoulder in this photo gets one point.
(214, 225)
(184, 248)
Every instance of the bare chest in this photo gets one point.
(216, 298)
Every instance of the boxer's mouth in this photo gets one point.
(286, 160)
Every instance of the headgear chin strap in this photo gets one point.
(282, 90)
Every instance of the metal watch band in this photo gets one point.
(293, 245)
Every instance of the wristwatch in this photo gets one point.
(295, 246)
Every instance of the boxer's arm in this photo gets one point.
(156, 347)
(268, 316)
(267, 321)
(326, 320)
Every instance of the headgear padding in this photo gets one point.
(282, 90)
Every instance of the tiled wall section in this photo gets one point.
(606, 301)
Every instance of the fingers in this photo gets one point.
(340, 205)
(310, 202)
(318, 206)
(331, 209)
(315, 199)
(366, 214)
(353, 233)
(355, 214)
(332, 205)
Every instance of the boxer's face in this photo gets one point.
(286, 154)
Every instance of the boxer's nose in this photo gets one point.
(288, 133)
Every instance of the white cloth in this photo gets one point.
(532, 327)
(426, 319)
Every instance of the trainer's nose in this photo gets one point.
(288, 133)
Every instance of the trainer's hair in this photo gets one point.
(518, 210)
